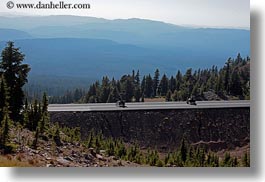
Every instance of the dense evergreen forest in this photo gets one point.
(232, 81)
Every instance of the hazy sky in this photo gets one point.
(202, 13)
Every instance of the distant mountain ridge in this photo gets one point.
(12, 34)
(91, 47)
(29, 22)
(91, 58)
(130, 31)
(94, 58)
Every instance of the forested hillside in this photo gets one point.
(232, 81)
(29, 138)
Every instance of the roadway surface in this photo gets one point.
(147, 106)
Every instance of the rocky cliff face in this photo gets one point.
(224, 128)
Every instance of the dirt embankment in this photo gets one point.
(216, 129)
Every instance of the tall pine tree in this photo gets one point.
(15, 74)
(164, 85)
(156, 82)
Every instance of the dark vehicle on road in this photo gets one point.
(120, 103)
(191, 101)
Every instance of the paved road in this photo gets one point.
(147, 106)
